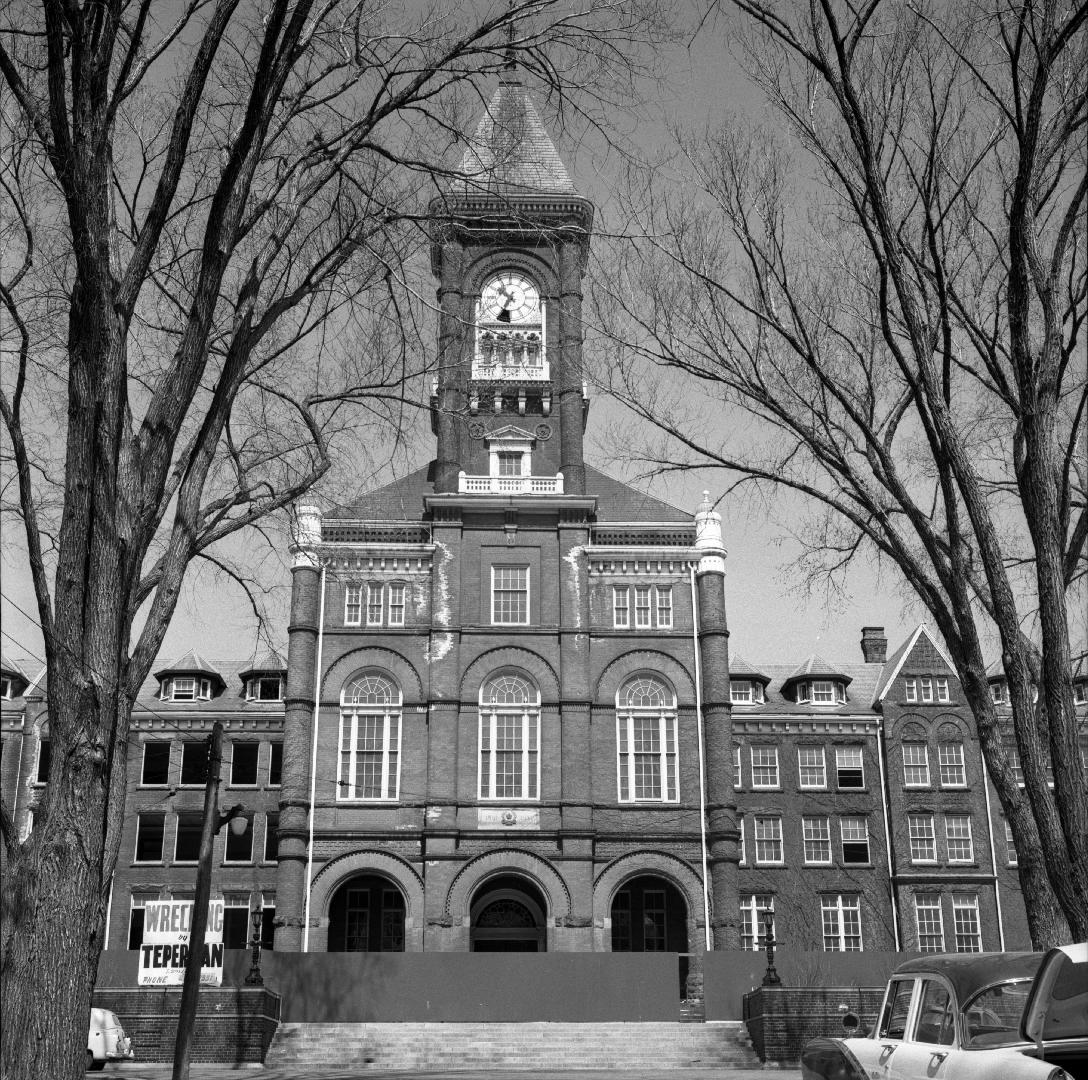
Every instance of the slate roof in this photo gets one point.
(231, 699)
(741, 669)
(191, 663)
(816, 667)
(270, 662)
(510, 153)
(862, 679)
(10, 667)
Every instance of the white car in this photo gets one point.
(970, 1016)
(106, 1040)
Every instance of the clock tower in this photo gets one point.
(509, 251)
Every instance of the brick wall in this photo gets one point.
(782, 1019)
(232, 1024)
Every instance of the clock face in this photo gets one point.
(509, 298)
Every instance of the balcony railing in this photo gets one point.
(486, 371)
(510, 485)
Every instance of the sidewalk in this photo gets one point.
(160, 1071)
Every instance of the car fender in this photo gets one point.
(830, 1059)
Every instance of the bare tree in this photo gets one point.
(878, 304)
(209, 246)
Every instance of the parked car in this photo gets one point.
(969, 1016)
(106, 1040)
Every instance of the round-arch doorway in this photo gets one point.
(649, 914)
(509, 914)
(366, 914)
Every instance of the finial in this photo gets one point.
(706, 504)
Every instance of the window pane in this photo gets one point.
(855, 840)
(621, 614)
(353, 605)
(269, 688)
(816, 833)
(965, 920)
(953, 773)
(915, 764)
(235, 926)
(194, 763)
(923, 841)
(239, 848)
(642, 606)
(764, 766)
(927, 910)
(768, 834)
(810, 767)
(396, 605)
(510, 594)
(156, 766)
(275, 764)
(45, 756)
(150, 829)
(849, 770)
(187, 843)
(243, 762)
(664, 606)
(271, 837)
(753, 932)
(957, 829)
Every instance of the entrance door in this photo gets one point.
(508, 915)
(649, 915)
(367, 915)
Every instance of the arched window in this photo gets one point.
(509, 738)
(646, 740)
(370, 723)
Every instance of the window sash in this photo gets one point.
(942, 688)
(1011, 855)
(510, 595)
(664, 607)
(823, 692)
(854, 837)
(923, 838)
(150, 828)
(369, 759)
(929, 922)
(375, 604)
(752, 932)
(816, 833)
(849, 767)
(642, 607)
(509, 765)
(764, 766)
(965, 922)
(958, 837)
(621, 607)
(646, 743)
(911, 688)
(738, 776)
(396, 604)
(768, 838)
(841, 916)
(353, 605)
(951, 760)
(915, 765)
(811, 767)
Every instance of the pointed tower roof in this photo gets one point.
(816, 667)
(272, 663)
(739, 668)
(192, 663)
(510, 152)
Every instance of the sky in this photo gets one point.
(771, 618)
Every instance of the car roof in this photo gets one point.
(970, 972)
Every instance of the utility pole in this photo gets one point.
(213, 822)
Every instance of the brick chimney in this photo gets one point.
(874, 645)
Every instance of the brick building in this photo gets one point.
(508, 719)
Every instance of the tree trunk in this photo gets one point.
(56, 893)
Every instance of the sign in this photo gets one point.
(165, 946)
(499, 818)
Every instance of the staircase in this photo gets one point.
(612, 1046)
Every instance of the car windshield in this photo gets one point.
(992, 1017)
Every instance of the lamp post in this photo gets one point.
(771, 977)
(212, 823)
(254, 978)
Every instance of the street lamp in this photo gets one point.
(771, 978)
(254, 978)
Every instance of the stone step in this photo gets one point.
(515, 1046)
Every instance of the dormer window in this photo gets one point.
(265, 688)
(745, 692)
(999, 692)
(7, 688)
(821, 692)
(1080, 692)
(186, 688)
